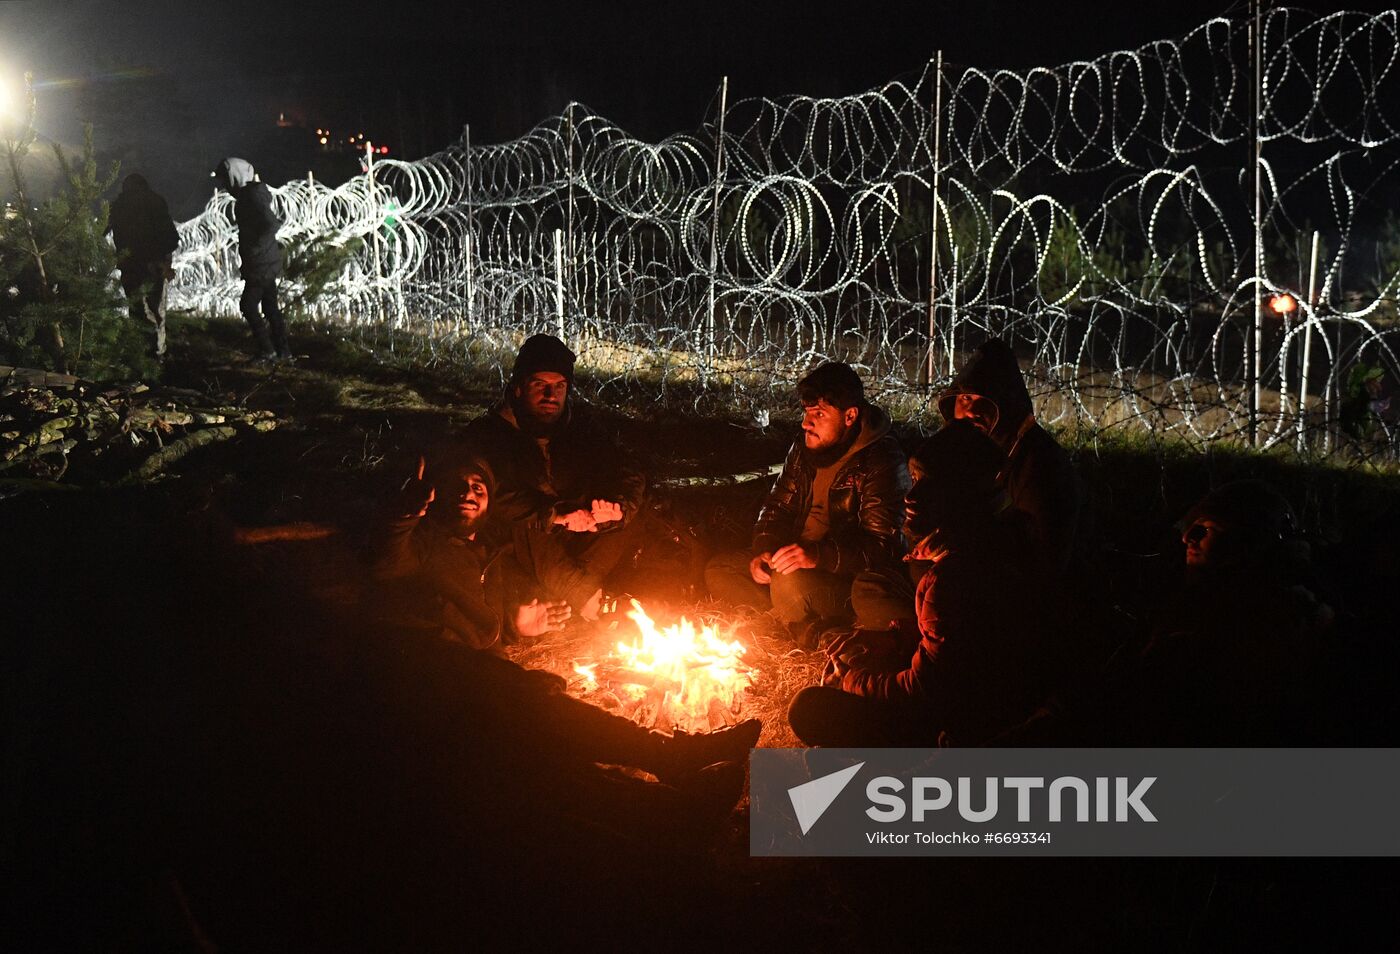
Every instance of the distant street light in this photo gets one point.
(1283, 304)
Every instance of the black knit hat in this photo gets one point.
(543, 353)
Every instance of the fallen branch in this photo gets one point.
(172, 452)
(722, 480)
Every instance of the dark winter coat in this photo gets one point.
(582, 462)
(1038, 477)
(866, 502)
(976, 669)
(258, 251)
(1236, 660)
(141, 227)
(444, 578)
(259, 254)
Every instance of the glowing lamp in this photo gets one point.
(1283, 304)
(323, 140)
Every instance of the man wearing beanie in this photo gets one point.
(564, 485)
(1038, 475)
(834, 512)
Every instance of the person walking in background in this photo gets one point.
(259, 254)
(145, 239)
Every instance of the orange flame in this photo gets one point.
(680, 675)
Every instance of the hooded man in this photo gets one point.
(1038, 475)
(441, 539)
(565, 487)
(972, 665)
(146, 239)
(835, 511)
(259, 254)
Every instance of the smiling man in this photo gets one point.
(835, 511)
(439, 540)
(566, 489)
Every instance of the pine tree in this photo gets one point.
(59, 303)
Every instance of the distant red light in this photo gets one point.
(1283, 304)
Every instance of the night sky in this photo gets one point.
(174, 87)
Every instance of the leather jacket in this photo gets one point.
(866, 503)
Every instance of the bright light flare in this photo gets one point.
(1284, 304)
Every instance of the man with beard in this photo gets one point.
(1038, 475)
(565, 488)
(440, 541)
(834, 512)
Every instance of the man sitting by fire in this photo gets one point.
(1037, 474)
(970, 669)
(565, 489)
(835, 511)
(440, 543)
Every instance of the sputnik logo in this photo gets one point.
(810, 800)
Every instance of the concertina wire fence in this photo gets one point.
(1099, 215)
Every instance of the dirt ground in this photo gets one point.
(207, 747)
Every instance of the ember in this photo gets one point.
(681, 676)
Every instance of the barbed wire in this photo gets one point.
(1098, 214)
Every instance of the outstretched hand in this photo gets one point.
(416, 494)
(536, 618)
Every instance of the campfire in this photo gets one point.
(679, 676)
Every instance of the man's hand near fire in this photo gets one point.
(536, 618)
(758, 568)
(793, 557)
(844, 654)
(606, 511)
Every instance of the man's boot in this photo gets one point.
(279, 339)
(683, 755)
(266, 351)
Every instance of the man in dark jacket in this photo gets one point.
(1038, 475)
(145, 238)
(260, 256)
(440, 541)
(566, 489)
(971, 668)
(834, 512)
(1238, 651)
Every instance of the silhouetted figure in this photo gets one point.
(146, 239)
(1038, 475)
(1236, 651)
(260, 256)
(972, 667)
(834, 514)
